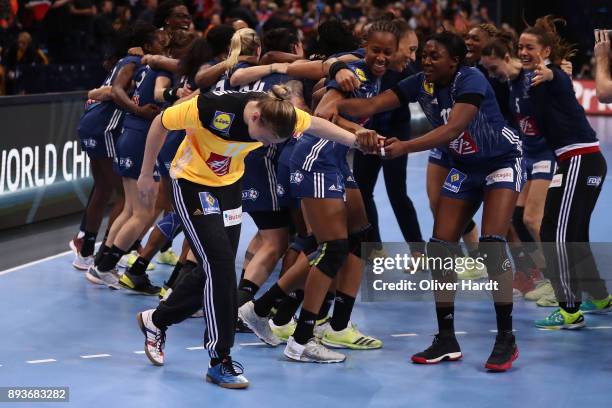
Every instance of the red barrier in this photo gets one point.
(585, 93)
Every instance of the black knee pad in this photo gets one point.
(439, 257)
(307, 244)
(496, 255)
(356, 238)
(330, 256)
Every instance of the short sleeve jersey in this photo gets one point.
(217, 139)
(145, 79)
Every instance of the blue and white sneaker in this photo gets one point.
(155, 338)
(227, 374)
(110, 278)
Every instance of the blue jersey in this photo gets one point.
(98, 115)
(561, 118)
(487, 137)
(144, 94)
(520, 105)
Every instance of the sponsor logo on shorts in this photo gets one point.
(250, 194)
(232, 217)
(543, 166)
(280, 190)
(334, 188)
(505, 175)
(220, 165)
(454, 180)
(557, 181)
(90, 143)
(296, 177)
(593, 181)
(210, 204)
(435, 154)
(222, 121)
(464, 145)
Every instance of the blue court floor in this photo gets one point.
(56, 329)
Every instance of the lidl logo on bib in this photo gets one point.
(454, 180)
(557, 181)
(505, 175)
(232, 217)
(428, 87)
(222, 121)
(210, 205)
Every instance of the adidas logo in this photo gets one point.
(448, 316)
(198, 212)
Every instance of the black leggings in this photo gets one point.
(211, 219)
(366, 169)
(569, 204)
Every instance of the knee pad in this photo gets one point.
(170, 225)
(496, 255)
(440, 257)
(356, 238)
(330, 256)
(307, 244)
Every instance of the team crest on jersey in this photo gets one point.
(296, 177)
(280, 190)
(222, 121)
(250, 194)
(220, 165)
(528, 125)
(361, 75)
(428, 87)
(210, 205)
(454, 180)
(464, 145)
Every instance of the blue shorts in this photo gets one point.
(439, 157)
(130, 153)
(99, 141)
(283, 175)
(470, 183)
(540, 167)
(168, 151)
(259, 183)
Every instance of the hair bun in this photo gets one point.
(280, 92)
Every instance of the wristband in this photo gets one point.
(335, 67)
(170, 95)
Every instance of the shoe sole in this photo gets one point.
(136, 291)
(348, 346)
(446, 357)
(498, 368)
(99, 281)
(232, 386)
(146, 349)
(309, 360)
(574, 326)
(80, 267)
(255, 333)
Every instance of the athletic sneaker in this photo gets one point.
(285, 331)
(110, 278)
(311, 352)
(560, 319)
(350, 337)
(523, 282)
(443, 348)
(321, 327)
(504, 353)
(155, 339)
(139, 283)
(76, 244)
(198, 314)
(543, 288)
(259, 325)
(164, 292)
(241, 327)
(597, 306)
(549, 300)
(123, 261)
(133, 256)
(227, 374)
(473, 272)
(168, 257)
(82, 263)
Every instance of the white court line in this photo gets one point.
(196, 348)
(25, 265)
(252, 344)
(48, 360)
(460, 332)
(139, 352)
(96, 356)
(404, 335)
(495, 331)
(599, 327)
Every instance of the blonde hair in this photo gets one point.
(277, 111)
(244, 42)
